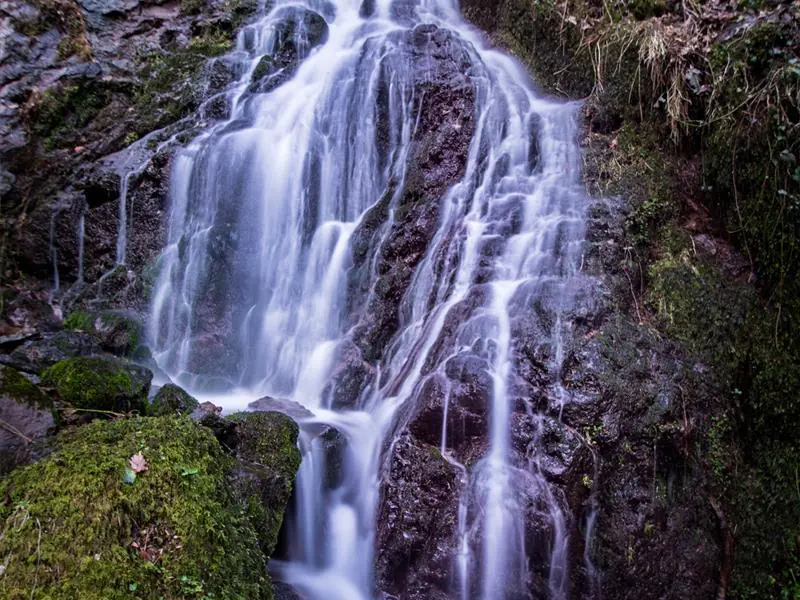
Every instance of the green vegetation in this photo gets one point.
(60, 112)
(266, 448)
(99, 383)
(117, 332)
(751, 160)
(170, 87)
(71, 527)
(67, 17)
(171, 400)
(20, 388)
(79, 320)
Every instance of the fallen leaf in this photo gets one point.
(138, 463)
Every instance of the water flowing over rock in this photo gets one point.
(384, 227)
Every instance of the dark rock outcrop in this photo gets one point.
(82, 84)
(43, 351)
(417, 522)
(420, 492)
(445, 91)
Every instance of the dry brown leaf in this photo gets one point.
(138, 463)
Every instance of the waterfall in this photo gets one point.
(255, 294)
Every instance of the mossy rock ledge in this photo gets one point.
(172, 400)
(100, 383)
(117, 332)
(82, 524)
(265, 446)
(27, 417)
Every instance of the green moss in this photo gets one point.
(79, 320)
(71, 528)
(267, 448)
(212, 43)
(699, 306)
(99, 383)
(171, 400)
(66, 16)
(170, 87)
(268, 438)
(58, 115)
(117, 332)
(15, 385)
(750, 446)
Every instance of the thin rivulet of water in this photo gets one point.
(275, 194)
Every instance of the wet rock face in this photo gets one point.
(417, 522)
(445, 96)
(609, 436)
(80, 83)
(350, 377)
(36, 355)
(297, 34)
(656, 530)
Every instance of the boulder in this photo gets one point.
(117, 332)
(101, 383)
(172, 400)
(36, 355)
(135, 507)
(265, 447)
(26, 419)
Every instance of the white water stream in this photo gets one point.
(252, 294)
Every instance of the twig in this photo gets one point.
(15, 431)
(102, 412)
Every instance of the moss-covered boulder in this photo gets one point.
(172, 400)
(265, 444)
(100, 383)
(118, 332)
(26, 419)
(136, 508)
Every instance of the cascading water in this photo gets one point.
(253, 294)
